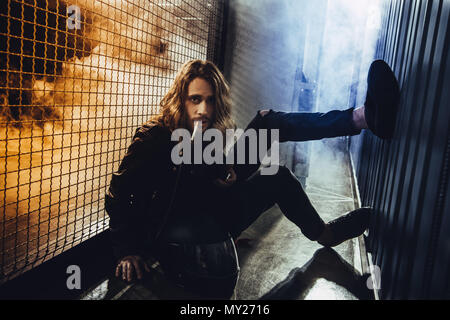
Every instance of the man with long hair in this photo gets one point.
(185, 214)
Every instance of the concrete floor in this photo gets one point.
(281, 263)
(276, 260)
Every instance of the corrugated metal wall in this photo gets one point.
(406, 179)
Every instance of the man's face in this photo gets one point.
(200, 103)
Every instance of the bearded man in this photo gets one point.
(187, 215)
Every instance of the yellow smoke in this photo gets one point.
(53, 176)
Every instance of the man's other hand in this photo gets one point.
(131, 266)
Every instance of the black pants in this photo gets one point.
(255, 193)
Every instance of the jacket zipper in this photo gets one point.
(172, 200)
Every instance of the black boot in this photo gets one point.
(349, 226)
(383, 95)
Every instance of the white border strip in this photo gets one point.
(357, 246)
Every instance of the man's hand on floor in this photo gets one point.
(131, 266)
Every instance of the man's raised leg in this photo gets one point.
(294, 127)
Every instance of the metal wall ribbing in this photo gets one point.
(406, 179)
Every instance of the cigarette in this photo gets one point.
(198, 125)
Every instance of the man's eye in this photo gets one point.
(195, 99)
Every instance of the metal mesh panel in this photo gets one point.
(76, 79)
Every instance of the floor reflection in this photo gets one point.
(326, 276)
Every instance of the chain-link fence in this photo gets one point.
(77, 77)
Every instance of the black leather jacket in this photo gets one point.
(141, 191)
(141, 185)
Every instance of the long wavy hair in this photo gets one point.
(173, 114)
